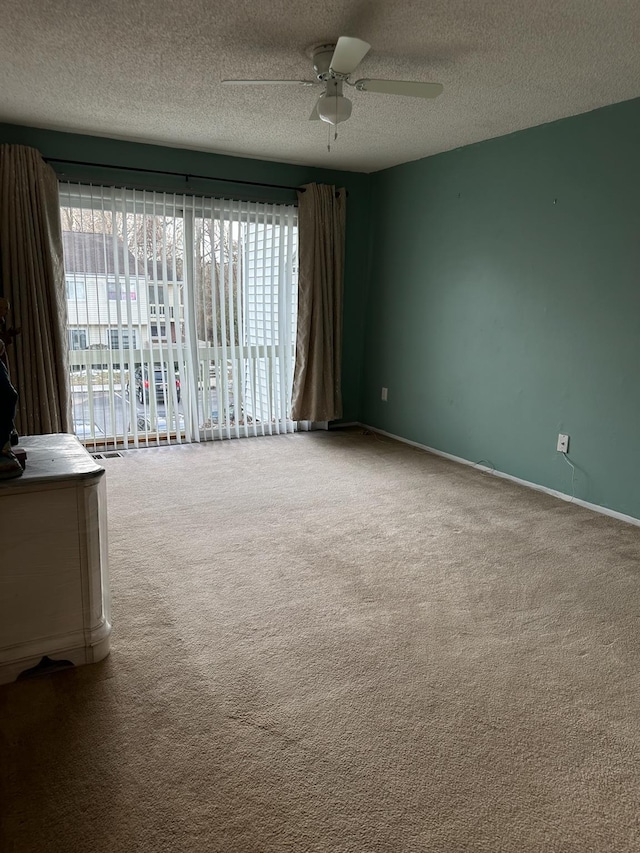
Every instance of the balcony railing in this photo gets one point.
(231, 395)
(160, 311)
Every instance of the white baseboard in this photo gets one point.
(312, 426)
(603, 510)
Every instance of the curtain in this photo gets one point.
(32, 279)
(317, 392)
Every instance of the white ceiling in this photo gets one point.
(150, 70)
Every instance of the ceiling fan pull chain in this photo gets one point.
(329, 138)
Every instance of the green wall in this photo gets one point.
(134, 155)
(505, 304)
(495, 290)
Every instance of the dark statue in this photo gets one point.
(9, 463)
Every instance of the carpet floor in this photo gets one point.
(334, 643)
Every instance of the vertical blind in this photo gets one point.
(181, 315)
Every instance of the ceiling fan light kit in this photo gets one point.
(333, 65)
(334, 108)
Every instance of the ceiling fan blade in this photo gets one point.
(271, 82)
(348, 54)
(400, 87)
(315, 116)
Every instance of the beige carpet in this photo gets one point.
(335, 643)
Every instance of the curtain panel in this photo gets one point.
(32, 279)
(317, 394)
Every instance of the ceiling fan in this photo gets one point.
(333, 64)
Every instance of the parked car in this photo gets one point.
(142, 384)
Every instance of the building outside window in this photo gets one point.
(160, 331)
(77, 339)
(76, 289)
(122, 339)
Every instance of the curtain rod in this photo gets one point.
(184, 175)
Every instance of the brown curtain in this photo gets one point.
(32, 280)
(317, 394)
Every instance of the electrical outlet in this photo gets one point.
(563, 443)
(385, 391)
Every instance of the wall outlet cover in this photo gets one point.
(563, 443)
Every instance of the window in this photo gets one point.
(76, 290)
(154, 331)
(204, 287)
(77, 339)
(120, 291)
(121, 338)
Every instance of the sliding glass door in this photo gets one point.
(181, 315)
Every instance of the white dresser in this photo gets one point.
(54, 585)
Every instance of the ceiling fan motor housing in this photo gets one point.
(322, 61)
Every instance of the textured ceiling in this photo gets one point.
(150, 70)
